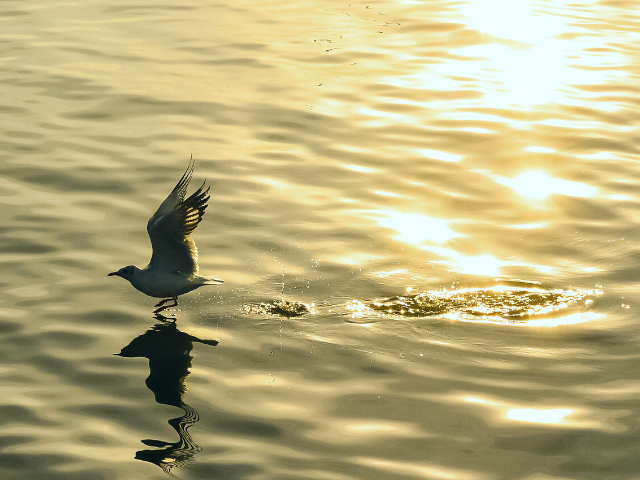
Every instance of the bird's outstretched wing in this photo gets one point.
(169, 228)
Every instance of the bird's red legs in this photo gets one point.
(160, 304)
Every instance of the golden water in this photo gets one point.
(425, 213)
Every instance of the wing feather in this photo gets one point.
(170, 226)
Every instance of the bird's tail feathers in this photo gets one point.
(211, 280)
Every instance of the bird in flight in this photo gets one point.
(173, 268)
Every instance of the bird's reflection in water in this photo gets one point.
(167, 349)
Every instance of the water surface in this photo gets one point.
(425, 214)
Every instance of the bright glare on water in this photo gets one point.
(425, 213)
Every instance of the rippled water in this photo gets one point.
(375, 168)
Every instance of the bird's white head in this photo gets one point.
(126, 272)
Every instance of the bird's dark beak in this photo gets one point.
(112, 273)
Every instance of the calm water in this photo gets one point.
(377, 165)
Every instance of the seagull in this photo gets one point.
(173, 268)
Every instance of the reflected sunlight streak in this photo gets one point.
(517, 20)
(357, 431)
(513, 77)
(524, 58)
(415, 228)
(538, 415)
(478, 265)
(538, 185)
(551, 417)
(439, 155)
(534, 65)
(572, 319)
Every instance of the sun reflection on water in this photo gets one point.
(415, 228)
(468, 264)
(439, 155)
(527, 55)
(538, 415)
(554, 417)
(429, 234)
(546, 416)
(522, 20)
(539, 185)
